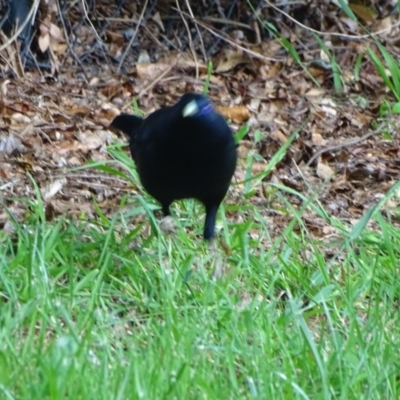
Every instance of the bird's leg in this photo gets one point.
(165, 209)
(218, 261)
(209, 235)
(209, 225)
(167, 224)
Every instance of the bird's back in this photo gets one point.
(181, 158)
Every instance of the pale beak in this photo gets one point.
(190, 109)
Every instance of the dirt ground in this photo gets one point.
(345, 154)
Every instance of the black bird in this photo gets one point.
(184, 151)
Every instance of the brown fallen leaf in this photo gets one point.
(11, 145)
(55, 32)
(20, 118)
(317, 139)
(4, 87)
(229, 59)
(244, 148)
(157, 19)
(236, 113)
(258, 167)
(366, 14)
(44, 38)
(52, 188)
(324, 171)
(90, 141)
(151, 71)
(279, 136)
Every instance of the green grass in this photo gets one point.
(106, 310)
(94, 312)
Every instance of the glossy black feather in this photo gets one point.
(129, 124)
(180, 157)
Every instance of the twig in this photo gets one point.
(342, 35)
(90, 22)
(173, 17)
(198, 32)
(13, 54)
(205, 26)
(133, 37)
(151, 84)
(69, 44)
(189, 37)
(349, 142)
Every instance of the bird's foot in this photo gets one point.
(219, 265)
(168, 225)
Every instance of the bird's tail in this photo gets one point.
(127, 123)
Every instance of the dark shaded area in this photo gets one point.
(165, 26)
(107, 18)
(15, 14)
